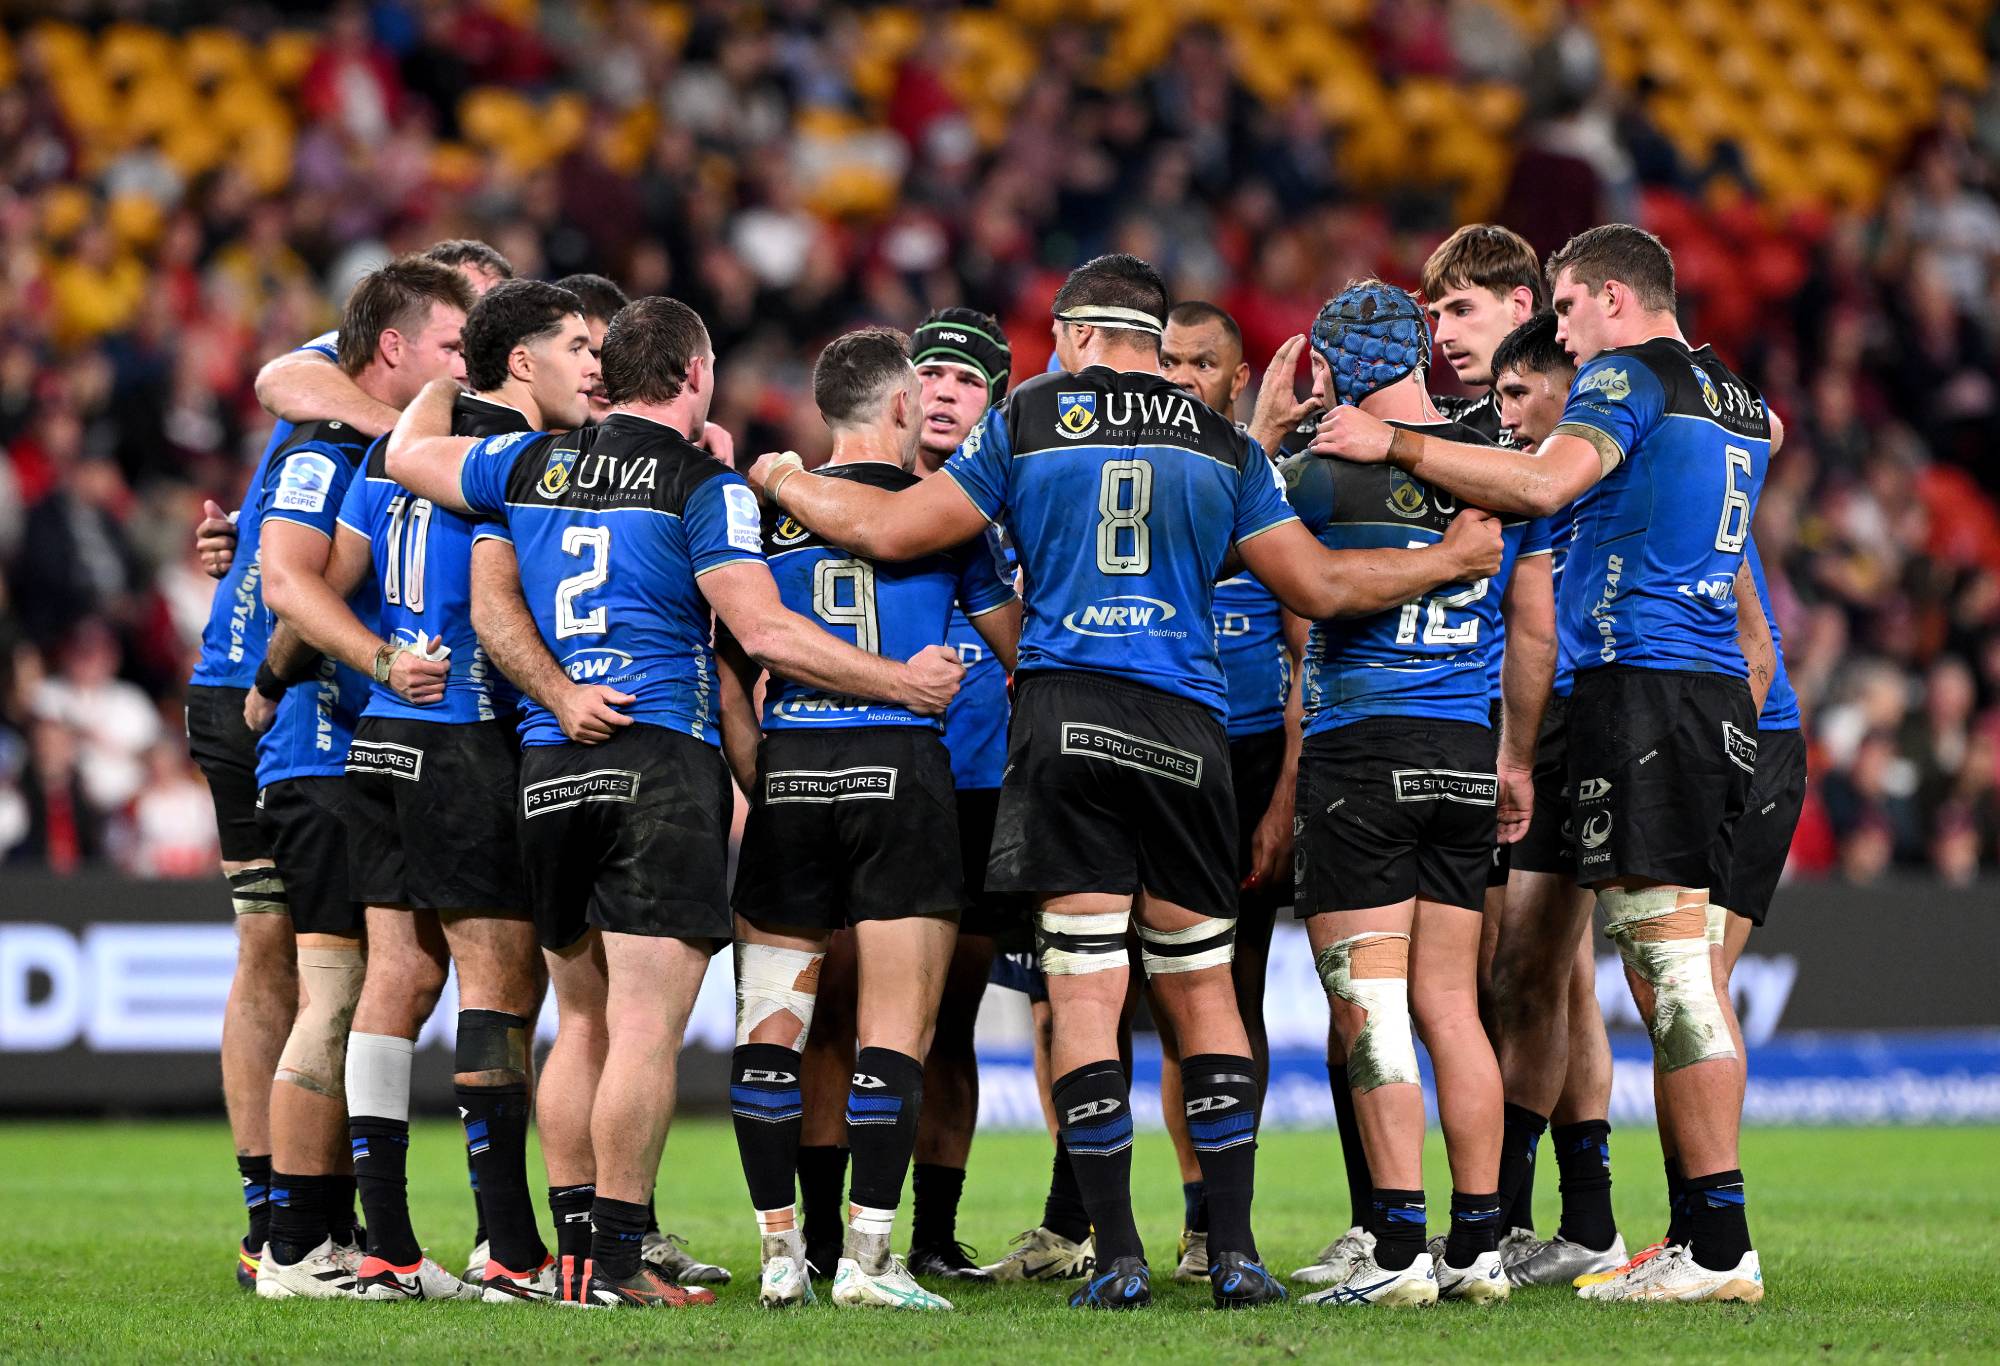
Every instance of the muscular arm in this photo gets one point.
(306, 582)
(1753, 635)
(422, 455)
(506, 628)
(1271, 841)
(1318, 583)
(1528, 670)
(741, 729)
(288, 655)
(304, 386)
(929, 516)
(1532, 483)
(1001, 630)
(745, 597)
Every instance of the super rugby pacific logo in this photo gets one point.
(1124, 615)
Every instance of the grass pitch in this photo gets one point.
(1881, 1243)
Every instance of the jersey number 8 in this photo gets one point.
(1124, 497)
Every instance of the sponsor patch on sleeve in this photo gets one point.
(746, 524)
(304, 481)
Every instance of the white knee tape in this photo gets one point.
(1075, 945)
(378, 1075)
(770, 980)
(1372, 973)
(315, 1056)
(1718, 921)
(1209, 944)
(1662, 933)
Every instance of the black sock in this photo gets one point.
(1520, 1136)
(1396, 1218)
(1353, 1156)
(256, 1174)
(1583, 1158)
(652, 1215)
(381, 1154)
(298, 1215)
(1063, 1213)
(766, 1106)
(341, 1223)
(1094, 1106)
(569, 1207)
(822, 1187)
(934, 1193)
(496, 1133)
(479, 1233)
(1717, 1222)
(1220, 1090)
(617, 1228)
(1194, 1207)
(1677, 1203)
(1475, 1228)
(882, 1108)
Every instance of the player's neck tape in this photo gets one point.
(1110, 315)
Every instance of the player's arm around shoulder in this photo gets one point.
(1528, 483)
(746, 599)
(423, 456)
(307, 384)
(742, 729)
(1319, 583)
(877, 524)
(587, 712)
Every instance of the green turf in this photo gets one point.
(1879, 1243)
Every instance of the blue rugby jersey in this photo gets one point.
(423, 567)
(233, 640)
(889, 608)
(1123, 495)
(1781, 703)
(1651, 579)
(1250, 642)
(305, 481)
(975, 724)
(1537, 538)
(612, 525)
(1426, 658)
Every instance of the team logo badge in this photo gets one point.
(1613, 384)
(1596, 830)
(1076, 414)
(556, 477)
(1406, 495)
(1709, 395)
(788, 532)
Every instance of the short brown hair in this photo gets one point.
(648, 348)
(857, 370)
(460, 252)
(1618, 251)
(1484, 256)
(398, 296)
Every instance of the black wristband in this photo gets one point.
(269, 686)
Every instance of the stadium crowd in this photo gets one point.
(772, 170)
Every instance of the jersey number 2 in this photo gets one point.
(594, 541)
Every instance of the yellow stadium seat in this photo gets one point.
(195, 147)
(209, 54)
(287, 54)
(64, 209)
(157, 101)
(133, 50)
(135, 220)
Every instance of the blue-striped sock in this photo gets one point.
(1094, 1108)
(766, 1107)
(1717, 1220)
(1220, 1091)
(1475, 1228)
(1396, 1218)
(882, 1107)
(256, 1175)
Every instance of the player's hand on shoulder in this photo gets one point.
(1279, 408)
(214, 540)
(1347, 433)
(934, 674)
(1474, 543)
(588, 712)
(258, 711)
(720, 445)
(770, 469)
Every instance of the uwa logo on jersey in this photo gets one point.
(1125, 615)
